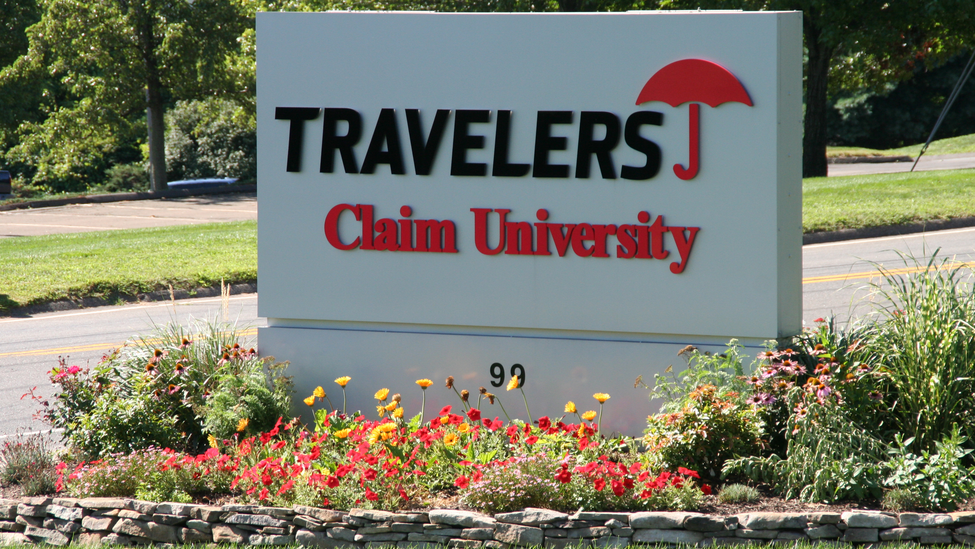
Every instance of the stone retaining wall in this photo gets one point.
(113, 521)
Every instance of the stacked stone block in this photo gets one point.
(127, 522)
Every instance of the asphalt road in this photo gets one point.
(76, 218)
(927, 163)
(836, 280)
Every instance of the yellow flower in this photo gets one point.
(450, 439)
(391, 406)
(242, 424)
(212, 440)
(444, 420)
(387, 427)
(381, 394)
(601, 397)
(570, 407)
(319, 392)
(589, 416)
(581, 431)
(398, 413)
(513, 384)
(463, 427)
(310, 400)
(342, 381)
(424, 383)
(381, 410)
(343, 433)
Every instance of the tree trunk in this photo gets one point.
(154, 102)
(814, 123)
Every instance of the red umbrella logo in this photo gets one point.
(693, 80)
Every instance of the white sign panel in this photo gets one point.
(594, 177)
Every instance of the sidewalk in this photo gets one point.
(927, 163)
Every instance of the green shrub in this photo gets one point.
(724, 371)
(900, 500)
(937, 481)
(125, 178)
(703, 434)
(170, 390)
(827, 459)
(211, 138)
(27, 460)
(738, 493)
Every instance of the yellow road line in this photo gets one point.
(878, 274)
(94, 347)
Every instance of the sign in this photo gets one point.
(569, 196)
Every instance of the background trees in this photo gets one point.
(77, 77)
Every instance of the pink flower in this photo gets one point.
(74, 370)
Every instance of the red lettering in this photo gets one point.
(481, 230)
(541, 233)
(684, 244)
(332, 226)
(602, 231)
(626, 236)
(519, 238)
(387, 239)
(583, 233)
(436, 236)
(561, 239)
(367, 234)
(657, 230)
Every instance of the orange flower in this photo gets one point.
(570, 407)
(343, 433)
(310, 400)
(424, 383)
(589, 416)
(319, 392)
(463, 427)
(242, 424)
(601, 397)
(398, 413)
(450, 439)
(391, 406)
(513, 384)
(343, 381)
(381, 394)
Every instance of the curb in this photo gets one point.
(120, 197)
(890, 230)
(867, 159)
(157, 295)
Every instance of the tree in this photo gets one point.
(118, 59)
(857, 43)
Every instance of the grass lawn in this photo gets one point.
(831, 203)
(112, 263)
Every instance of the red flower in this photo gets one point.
(445, 410)
(462, 482)
(706, 489)
(370, 474)
(544, 423)
(263, 495)
(477, 475)
(287, 486)
(531, 440)
(599, 484)
(474, 414)
(618, 488)
(402, 494)
(688, 472)
(370, 495)
(564, 476)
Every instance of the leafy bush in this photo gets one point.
(828, 459)
(705, 433)
(937, 481)
(738, 493)
(170, 390)
(925, 342)
(125, 178)
(27, 461)
(211, 138)
(723, 371)
(524, 481)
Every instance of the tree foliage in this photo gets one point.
(102, 64)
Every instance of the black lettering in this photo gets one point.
(342, 143)
(631, 133)
(502, 139)
(387, 132)
(425, 153)
(296, 134)
(588, 146)
(545, 143)
(463, 142)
